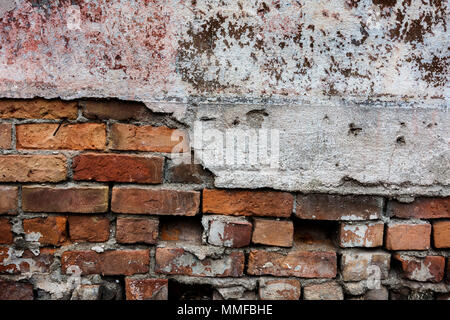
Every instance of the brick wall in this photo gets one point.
(93, 207)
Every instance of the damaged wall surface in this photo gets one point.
(316, 67)
(207, 149)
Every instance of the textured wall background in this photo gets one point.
(95, 205)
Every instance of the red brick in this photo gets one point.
(158, 202)
(6, 236)
(235, 233)
(248, 203)
(116, 262)
(11, 290)
(5, 135)
(51, 230)
(297, 263)
(408, 236)
(323, 291)
(282, 289)
(181, 229)
(148, 138)
(38, 109)
(76, 199)
(441, 234)
(337, 207)
(188, 173)
(117, 110)
(82, 136)
(430, 268)
(146, 289)
(366, 234)
(6, 266)
(137, 230)
(273, 232)
(88, 229)
(421, 208)
(33, 168)
(8, 200)
(360, 265)
(118, 167)
(177, 261)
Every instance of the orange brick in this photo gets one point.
(441, 234)
(408, 236)
(146, 289)
(148, 138)
(429, 268)
(137, 230)
(83, 136)
(88, 229)
(8, 200)
(158, 202)
(32, 168)
(273, 232)
(118, 167)
(49, 230)
(5, 135)
(114, 262)
(6, 236)
(76, 199)
(368, 235)
(38, 109)
(248, 203)
(421, 208)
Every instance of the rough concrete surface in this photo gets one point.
(357, 89)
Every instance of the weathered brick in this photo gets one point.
(227, 231)
(115, 262)
(5, 135)
(118, 167)
(76, 199)
(441, 234)
(6, 235)
(280, 289)
(448, 270)
(117, 110)
(32, 168)
(88, 228)
(337, 207)
(429, 268)
(15, 262)
(323, 291)
(146, 289)
(273, 232)
(188, 173)
(297, 263)
(248, 203)
(137, 230)
(421, 208)
(82, 136)
(150, 201)
(359, 265)
(38, 109)
(180, 229)
(178, 261)
(408, 236)
(47, 231)
(377, 294)
(8, 200)
(148, 138)
(12, 290)
(365, 234)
